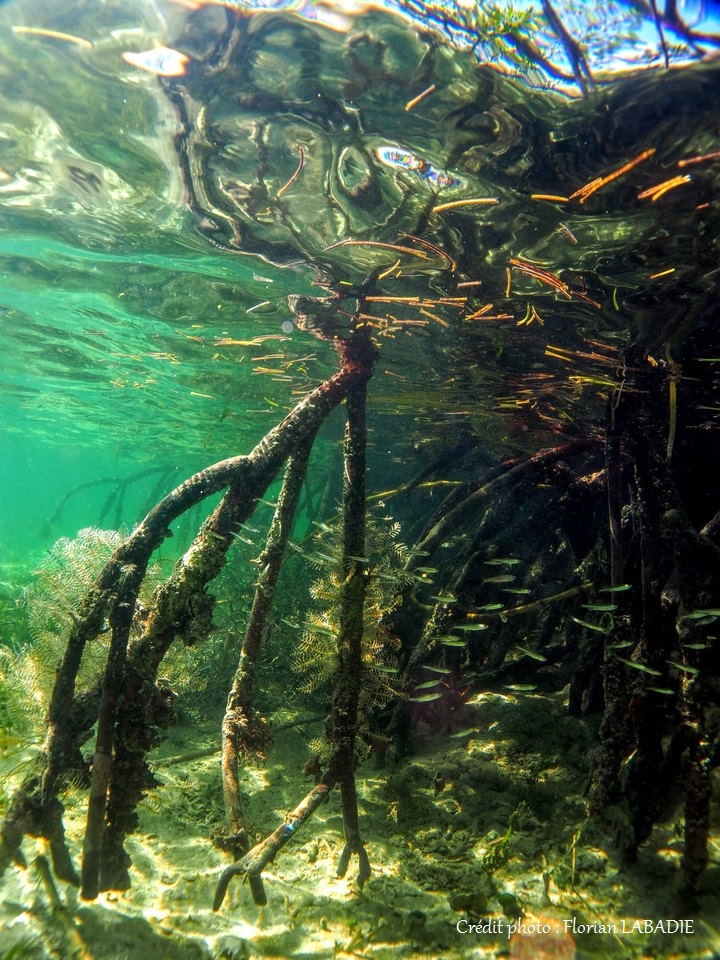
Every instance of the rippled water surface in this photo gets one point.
(141, 233)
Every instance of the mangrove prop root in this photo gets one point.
(120, 483)
(27, 815)
(631, 714)
(240, 707)
(172, 610)
(343, 719)
(642, 782)
(698, 785)
(439, 622)
(181, 606)
(342, 722)
(60, 741)
(698, 792)
(454, 456)
(242, 730)
(120, 620)
(615, 728)
(697, 566)
(696, 578)
(516, 473)
(252, 864)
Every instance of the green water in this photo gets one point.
(180, 257)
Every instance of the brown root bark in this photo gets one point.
(244, 732)
(343, 720)
(255, 860)
(130, 701)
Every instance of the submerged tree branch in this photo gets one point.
(257, 859)
(243, 731)
(179, 607)
(343, 720)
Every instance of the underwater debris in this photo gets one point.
(584, 192)
(440, 253)
(420, 97)
(553, 197)
(50, 34)
(293, 178)
(660, 189)
(565, 230)
(471, 202)
(701, 158)
(378, 245)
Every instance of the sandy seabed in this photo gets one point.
(479, 845)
